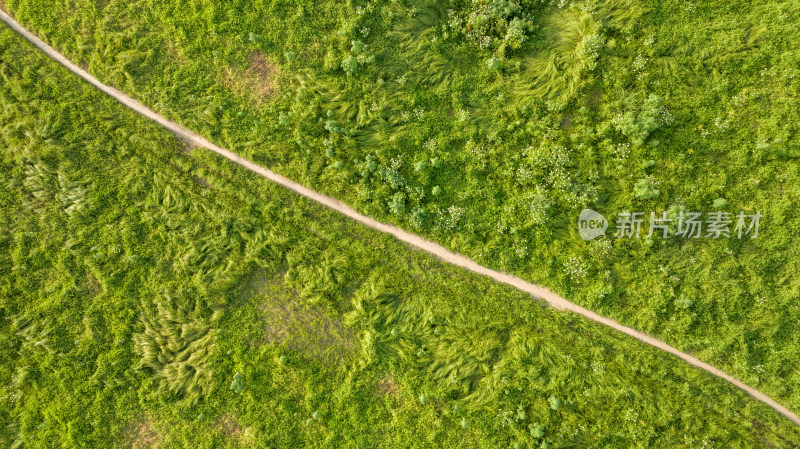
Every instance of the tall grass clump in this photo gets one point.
(175, 345)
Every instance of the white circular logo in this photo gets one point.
(591, 224)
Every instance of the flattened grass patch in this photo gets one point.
(309, 329)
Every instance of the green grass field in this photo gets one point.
(487, 126)
(154, 295)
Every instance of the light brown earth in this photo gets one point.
(142, 435)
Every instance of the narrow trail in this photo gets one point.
(440, 252)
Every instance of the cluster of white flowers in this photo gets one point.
(590, 50)
(505, 417)
(463, 115)
(721, 124)
(515, 35)
(364, 192)
(739, 99)
(454, 21)
(524, 175)
(576, 269)
(665, 116)
(553, 159)
(555, 104)
(582, 199)
(507, 172)
(392, 176)
(431, 145)
(477, 154)
(638, 63)
(622, 150)
(559, 179)
(419, 113)
(449, 220)
(521, 249)
(484, 42)
(539, 203)
(415, 194)
(500, 226)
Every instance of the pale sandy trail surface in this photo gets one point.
(439, 251)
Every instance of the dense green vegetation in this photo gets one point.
(153, 294)
(488, 126)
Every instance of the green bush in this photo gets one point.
(350, 65)
(238, 383)
(644, 190)
(683, 302)
(637, 125)
(397, 205)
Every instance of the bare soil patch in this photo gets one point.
(232, 429)
(257, 81)
(230, 426)
(143, 435)
(387, 385)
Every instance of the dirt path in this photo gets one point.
(442, 253)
